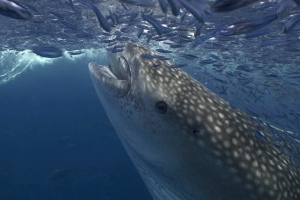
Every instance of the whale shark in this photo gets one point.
(185, 141)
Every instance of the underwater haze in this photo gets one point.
(56, 142)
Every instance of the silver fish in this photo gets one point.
(14, 10)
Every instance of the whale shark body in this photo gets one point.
(185, 141)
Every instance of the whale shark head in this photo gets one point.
(185, 141)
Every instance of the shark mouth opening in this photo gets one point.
(116, 76)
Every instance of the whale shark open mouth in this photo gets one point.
(116, 76)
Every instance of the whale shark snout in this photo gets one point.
(115, 77)
(185, 141)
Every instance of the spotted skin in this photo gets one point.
(185, 141)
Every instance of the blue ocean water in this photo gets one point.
(56, 141)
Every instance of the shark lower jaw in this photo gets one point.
(115, 78)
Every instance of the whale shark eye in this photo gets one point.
(161, 107)
(199, 132)
(196, 132)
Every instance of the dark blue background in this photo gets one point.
(51, 119)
